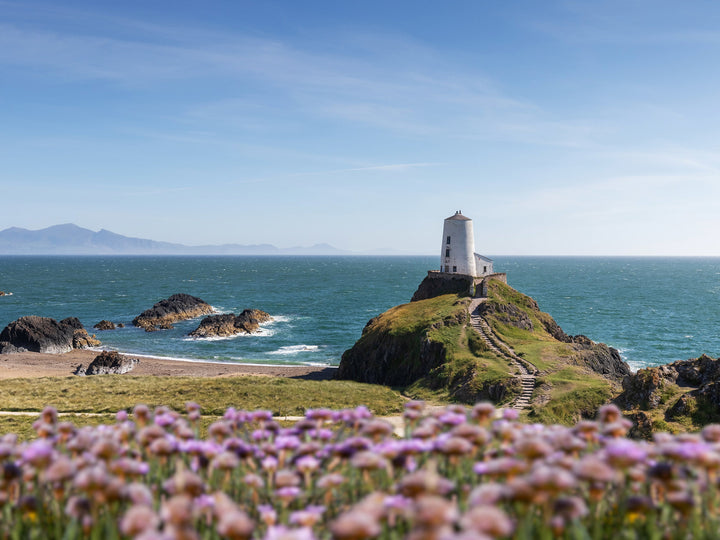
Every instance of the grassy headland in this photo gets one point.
(429, 350)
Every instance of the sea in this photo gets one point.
(654, 310)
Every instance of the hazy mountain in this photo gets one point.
(69, 239)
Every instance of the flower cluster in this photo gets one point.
(455, 473)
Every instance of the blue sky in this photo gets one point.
(560, 127)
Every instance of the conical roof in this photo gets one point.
(458, 217)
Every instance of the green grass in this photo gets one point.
(419, 316)
(469, 370)
(110, 393)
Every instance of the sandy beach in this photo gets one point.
(32, 364)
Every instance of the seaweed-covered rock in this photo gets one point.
(110, 363)
(104, 325)
(83, 340)
(46, 335)
(177, 307)
(247, 322)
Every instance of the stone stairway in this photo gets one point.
(526, 371)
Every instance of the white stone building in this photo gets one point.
(457, 254)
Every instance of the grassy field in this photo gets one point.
(110, 393)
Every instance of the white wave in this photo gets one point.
(319, 364)
(219, 310)
(634, 366)
(279, 318)
(688, 336)
(295, 349)
(622, 351)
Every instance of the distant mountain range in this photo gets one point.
(69, 239)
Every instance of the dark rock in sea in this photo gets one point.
(46, 335)
(247, 322)
(178, 307)
(104, 325)
(120, 325)
(108, 363)
(2, 293)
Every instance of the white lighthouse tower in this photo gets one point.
(457, 254)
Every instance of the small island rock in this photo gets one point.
(177, 307)
(46, 335)
(104, 325)
(247, 322)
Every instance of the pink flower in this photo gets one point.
(38, 453)
(139, 519)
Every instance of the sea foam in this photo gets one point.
(295, 349)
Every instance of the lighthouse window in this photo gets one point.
(447, 252)
(448, 240)
(454, 268)
(484, 269)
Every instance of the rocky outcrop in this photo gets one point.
(178, 307)
(392, 360)
(8, 348)
(2, 293)
(109, 363)
(507, 314)
(436, 285)
(46, 335)
(104, 325)
(684, 390)
(600, 358)
(81, 339)
(247, 322)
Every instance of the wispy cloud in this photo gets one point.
(393, 167)
(416, 91)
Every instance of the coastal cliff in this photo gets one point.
(430, 348)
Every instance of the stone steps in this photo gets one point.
(527, 372)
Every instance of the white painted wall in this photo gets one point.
(483, 265)
(458, 256)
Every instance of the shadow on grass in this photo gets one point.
(325, 374)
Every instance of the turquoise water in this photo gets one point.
(654, 310)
